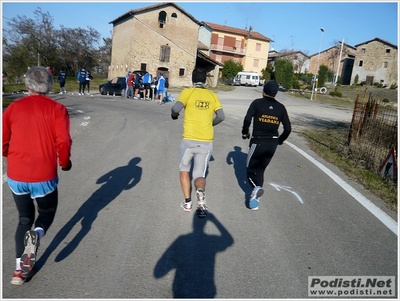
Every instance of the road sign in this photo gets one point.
(389, 166)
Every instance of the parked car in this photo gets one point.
(232, 81)
(117, 85)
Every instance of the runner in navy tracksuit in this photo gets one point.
(267, 114)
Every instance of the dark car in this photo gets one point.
(232, 81)
(115, 86)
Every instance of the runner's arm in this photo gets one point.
(176, 108)
(220, 116)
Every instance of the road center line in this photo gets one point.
(376, 211)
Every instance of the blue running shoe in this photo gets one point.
(254, 198)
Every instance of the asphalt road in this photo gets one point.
(120, 231)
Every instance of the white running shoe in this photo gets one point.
(187, 206)
(202, 208)
(28, 258)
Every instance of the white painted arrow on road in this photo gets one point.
(287, 188)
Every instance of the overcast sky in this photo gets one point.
(291, 25)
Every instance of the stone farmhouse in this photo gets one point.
(376, 62)
(161, 39)
(247, 47)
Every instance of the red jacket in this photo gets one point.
(36, 132)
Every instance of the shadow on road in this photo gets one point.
(238, 159)
(120, 179)
(193, 258)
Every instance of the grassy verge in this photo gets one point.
(349, 94)
(330, 144)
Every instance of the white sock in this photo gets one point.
(40, 231)
(18, 264)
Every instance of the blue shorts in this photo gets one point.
(36, 189)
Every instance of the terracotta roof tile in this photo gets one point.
(254, 34)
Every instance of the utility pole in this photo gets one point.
(338, 66)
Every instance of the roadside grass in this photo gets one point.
(71, 85)
(331, 143)
(349, 95)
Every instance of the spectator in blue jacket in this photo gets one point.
(82, 81)
(160, 89)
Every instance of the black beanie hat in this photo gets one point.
(271, 88)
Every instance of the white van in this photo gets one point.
(248, 78)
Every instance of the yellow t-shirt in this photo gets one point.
(200, 105)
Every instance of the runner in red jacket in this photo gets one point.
(36, 140)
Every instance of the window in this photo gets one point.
(181, 72)
(162, 17)
(165, 51)
(385, 64)
(360, 64)
(174, 15)
(255, 63)
(258, 46)
(363, 50)
(388, 50)
(143, 67)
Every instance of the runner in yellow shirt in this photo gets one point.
(203, 111)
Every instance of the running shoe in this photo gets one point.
(28, 258)
(202, 208)
(187, 206)
(254, 198)
(18, 278)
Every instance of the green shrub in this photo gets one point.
(335, 93)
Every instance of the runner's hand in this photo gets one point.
(67, 168)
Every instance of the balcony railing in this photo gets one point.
(229, 49)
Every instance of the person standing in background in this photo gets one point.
(160, 89)
(131, 85)
(62, 77)
(147, 80)
(89, 78)
(82, 81)
(126, 82)
(166, 86)
(138, 80)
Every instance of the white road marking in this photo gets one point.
(287, 188)
(376, 211)
(84, 123)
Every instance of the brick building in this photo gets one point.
(330, 58)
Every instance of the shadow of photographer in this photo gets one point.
(193, 258)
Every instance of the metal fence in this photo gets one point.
(372, 136)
